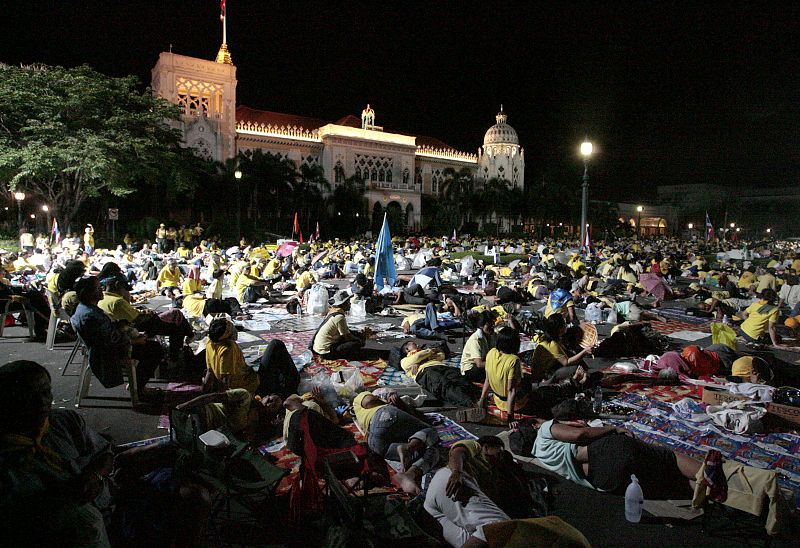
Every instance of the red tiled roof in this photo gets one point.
(247, 114)
(349, 120)
(278, 119)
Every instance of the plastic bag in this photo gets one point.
(723, 334)
(317, 303)
(322, 381)
(347, 382)
(594, 313)
(612, 317)
(358, 308)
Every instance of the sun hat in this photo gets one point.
(339, 298)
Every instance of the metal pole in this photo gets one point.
(238, 209)
(584, 200)
(19, 215)
(639, 225)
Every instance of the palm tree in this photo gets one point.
(272, 176)
(309, 191)
(495, 194)
(458, 188)
(347, 201)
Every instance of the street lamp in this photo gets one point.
(639, 210)
(769, 230)
(19, 196)
(586, 152)
(238, 175)
(691, 226)
(46, 210)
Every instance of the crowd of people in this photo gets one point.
(474, 490)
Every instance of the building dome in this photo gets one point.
(501, 133)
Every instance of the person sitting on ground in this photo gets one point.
(53, 468)
(760, 319)
(169, 279)
(504, 375)
(192, 284)
(228, 369)
(333, 339)
(477, 346)
(398, 433)
(426, 366)
(362, 286)
(110, 345)
(604, 458)
(790, 295)
(558, 365)
(560, 301)
(172, 323)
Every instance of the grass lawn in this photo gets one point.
(9, 245)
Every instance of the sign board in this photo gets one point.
(113, 214)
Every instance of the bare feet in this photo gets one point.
(405, 480)
(403, 452)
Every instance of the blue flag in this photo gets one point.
(384, 257)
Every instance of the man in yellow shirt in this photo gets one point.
(171, 323)
(398, 433)
(169, 279)
(473, 356)
(333, 339)
(426, 366)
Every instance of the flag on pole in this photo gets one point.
(296, 228)
(454, 234)
(709, 228)
(55, 232)
(221, 10)
(316, 234)
(384, 257)
(586, 245)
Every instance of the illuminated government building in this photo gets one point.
(396, 168)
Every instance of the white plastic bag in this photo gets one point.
(347, 382)
(594, 313)
(358, 308)
(317, 303)
(612, 317)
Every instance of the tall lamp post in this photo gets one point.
(46, 210)
(639, 210)
(586, 152)
(238, 175)
(19, 196)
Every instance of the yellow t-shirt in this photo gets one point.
(501, 369)
(548, 310)
(169, 279)
(273, 266)
(747, 279)
(555, 348)
(194, 305)
(364, 414)
(234, 412)
(117, 308)
(476, 347)
(757, 323)
(191, 286)
(227, 360)
(184, 252)
(410, 319)
(422, 359)
(333, 331)
(311, 404)
(304, 280)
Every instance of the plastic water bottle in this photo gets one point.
(726, 320)
(634, 500)
(597, 404)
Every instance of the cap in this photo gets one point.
(742, 367)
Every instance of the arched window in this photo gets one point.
(338, 173)
(405, 176)
(388, 175)
(381, 175)
(374, 174)
(358, 173)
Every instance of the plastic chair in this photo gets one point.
(57, 314)
(85, 378)
(26, 309)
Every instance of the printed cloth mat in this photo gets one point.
(176, 393)
(662, 393)
(298, 339)
(784, 347)
(657, 423)
(449, 433)
(299, 323)
(673, 326)
(371, 370)
(394, 377)
(679, 314)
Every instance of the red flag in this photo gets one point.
(221, 10)
(296, 228)
(316, 234)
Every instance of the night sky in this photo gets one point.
(670, 93)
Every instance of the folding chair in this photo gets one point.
(26, 309)
(85, 378)
(57, 314)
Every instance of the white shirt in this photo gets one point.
(790, 294)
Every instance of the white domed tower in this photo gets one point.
(501, 156)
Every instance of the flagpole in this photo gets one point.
(225, 26)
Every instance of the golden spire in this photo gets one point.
(223, 55)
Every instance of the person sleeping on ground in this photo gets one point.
(398, 433)
(426, 366)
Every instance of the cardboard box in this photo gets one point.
(713, 396)
(786, 412)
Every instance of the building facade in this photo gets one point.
(396, 168)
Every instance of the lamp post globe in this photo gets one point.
(639, 210)
(586, 151)
(238, 176)
(19, 196)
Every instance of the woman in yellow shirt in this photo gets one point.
(192, 284)
(226, 366)
(760, 318)
(504, 375)
(558, 365)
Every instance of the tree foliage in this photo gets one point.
(67, 135)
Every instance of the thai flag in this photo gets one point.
(709, 228)
(221, 10)
(55, 232)
(586, 245)
(316, 234)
